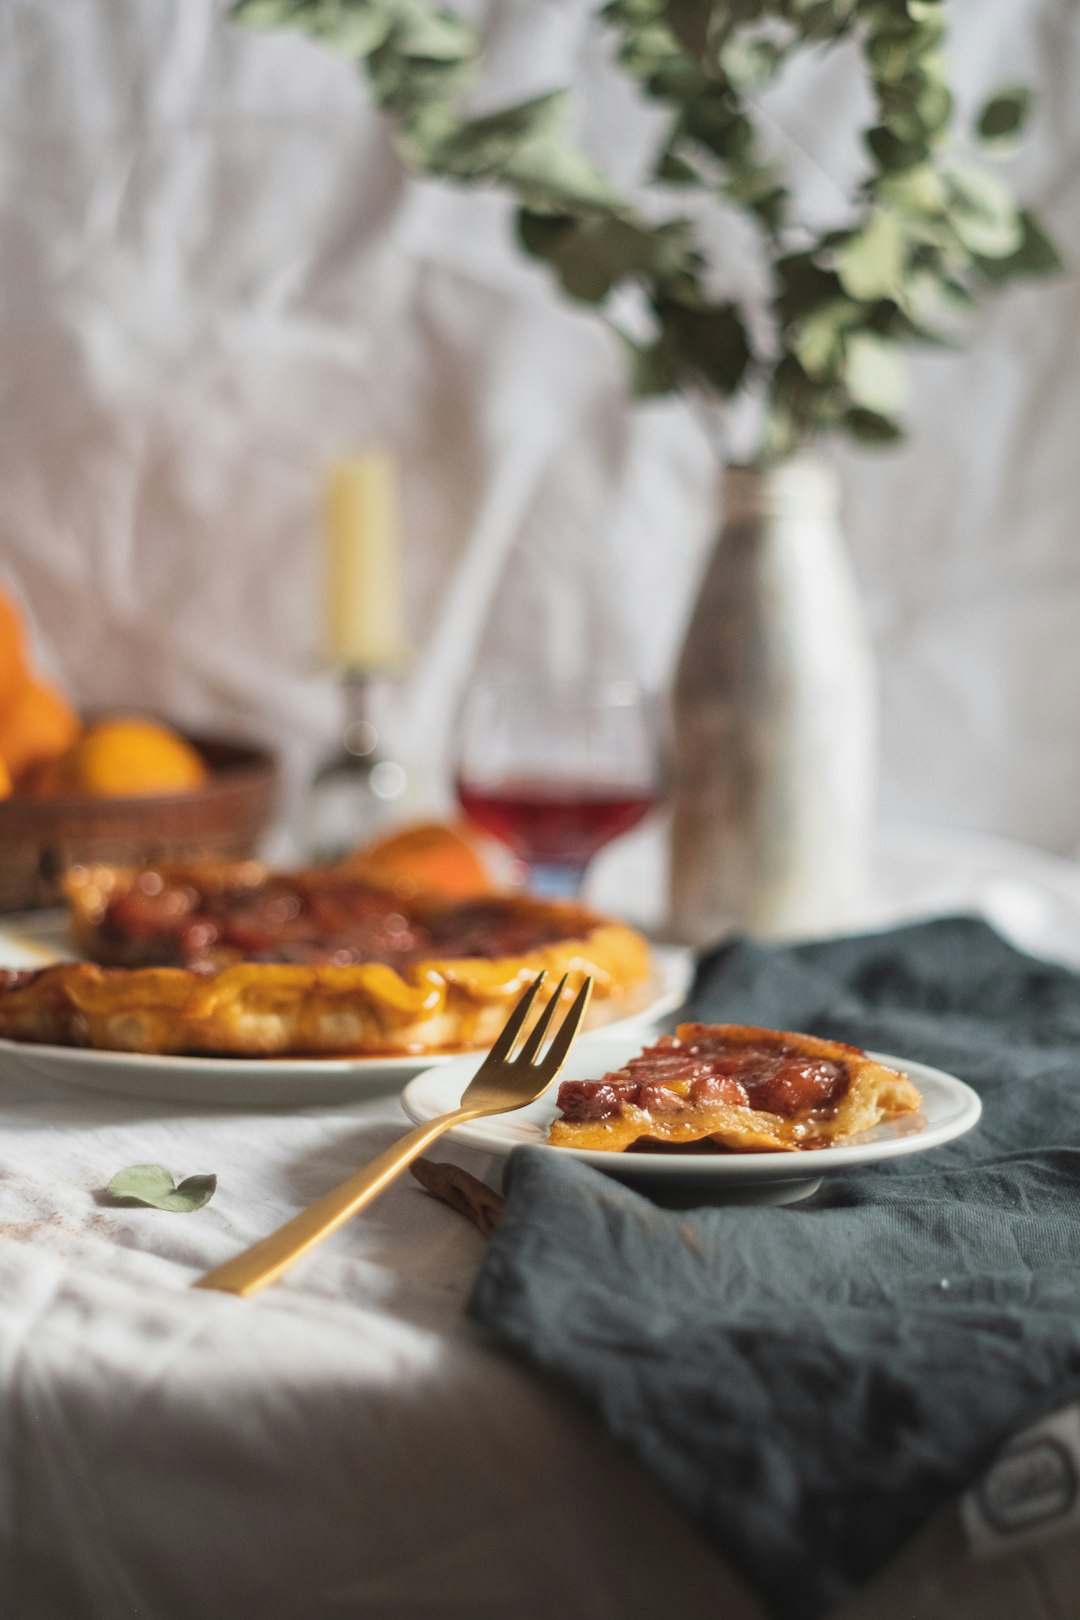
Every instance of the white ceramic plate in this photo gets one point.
(949, 1109)
(263, 1082)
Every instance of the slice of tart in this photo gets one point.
(241, 961)
(734, 1088)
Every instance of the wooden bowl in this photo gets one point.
(222, 820)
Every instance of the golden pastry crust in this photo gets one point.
(440, 1001)
(734, 1088)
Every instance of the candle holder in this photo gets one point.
(360, 788)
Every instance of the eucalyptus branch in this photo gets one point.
(931, 235)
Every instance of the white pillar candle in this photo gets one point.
(362, 615)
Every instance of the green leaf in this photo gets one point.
(871, 263)
(153, 1185)
(822, 19)
(422, 94)
(748, 181)
(547, 172)
(651, 373)
(875, 372)
(819, 339)
(524, 146)
(646, 43)
(770, 206)
(984, 215)
(899, 44)
(920, 190)
(918, 108)
(678, 81)
(540, 234)
(710, 340)
(711, 119)
(435, 36)
(811, 402)
(751, 63)
(871, 428)
(632, 11)
(929, 298)
(804, 286)
(674, 170)
(689, 22)
(594, 255)
(1036, 255)
(891, 321)
(934, 106)
(482, 148)
(818, 347)
(1003, 117)
(354, 32)
(892, 152)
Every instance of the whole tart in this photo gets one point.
(242, 961)
(733, 1088)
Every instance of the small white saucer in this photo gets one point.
(949, 1109)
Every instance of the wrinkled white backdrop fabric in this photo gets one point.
(213, 276)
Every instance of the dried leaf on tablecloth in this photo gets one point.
(153, 1185)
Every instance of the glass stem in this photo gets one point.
(360, 735)
(554, 882)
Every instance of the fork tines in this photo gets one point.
(503, 1049)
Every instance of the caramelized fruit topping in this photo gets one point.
(674, 1075)
(339, 921)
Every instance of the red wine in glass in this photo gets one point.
(554, 823)
(556, 769)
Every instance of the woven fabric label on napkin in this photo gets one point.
(1031, 1493)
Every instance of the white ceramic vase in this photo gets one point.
(775, 720)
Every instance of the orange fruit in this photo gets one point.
(37, 727)
(428, 856)
(5, 780)
(13, 669)
(125, 756)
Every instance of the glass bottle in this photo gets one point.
(775, 720)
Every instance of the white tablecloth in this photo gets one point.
(346, 1444)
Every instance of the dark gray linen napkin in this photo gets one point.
(811, 1383)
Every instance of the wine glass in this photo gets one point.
(556, 769)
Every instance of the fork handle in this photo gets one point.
(266, 1260)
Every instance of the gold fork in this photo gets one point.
(502, 1082)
